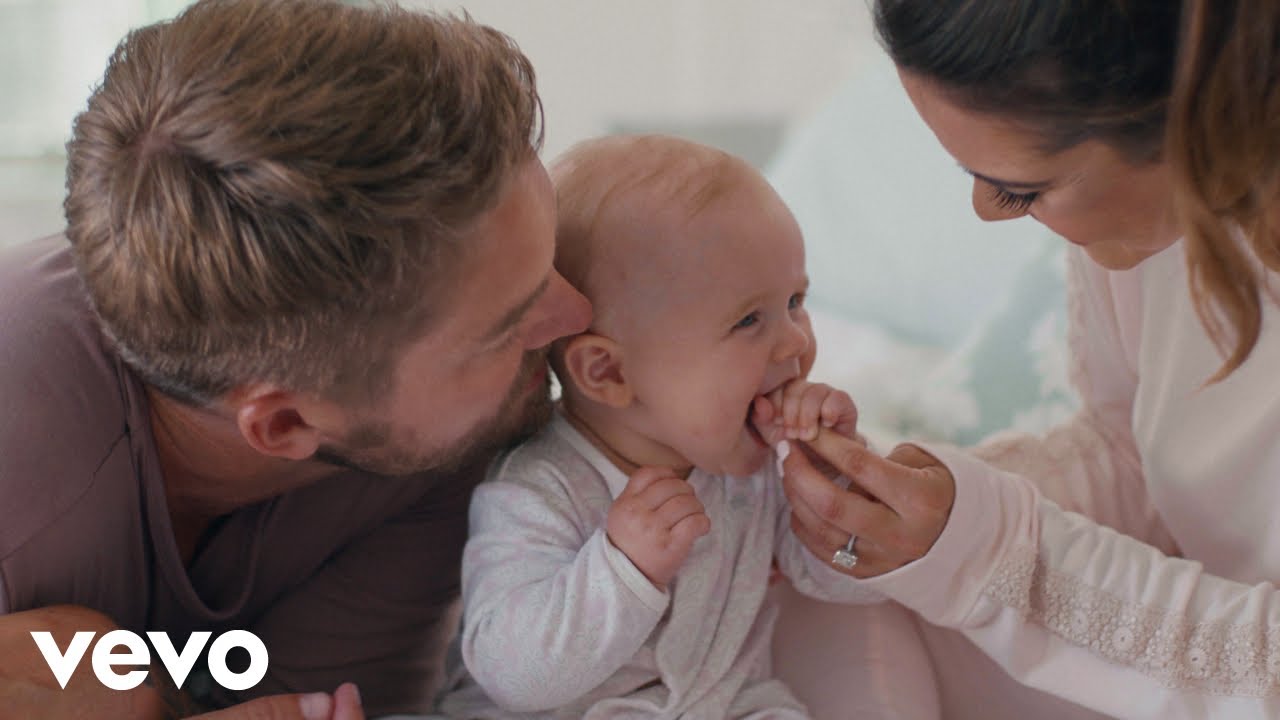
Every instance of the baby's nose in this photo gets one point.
(780, 373)
(792, 343)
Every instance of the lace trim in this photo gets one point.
(1076, 372)
(1216, 657)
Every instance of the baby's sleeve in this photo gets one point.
(551, 608)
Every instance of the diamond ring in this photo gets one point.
(845, 557)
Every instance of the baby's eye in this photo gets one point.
(747, 321)
(796, 301)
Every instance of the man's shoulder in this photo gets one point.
(63, 415)
(47, 327)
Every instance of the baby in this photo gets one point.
(619, 560)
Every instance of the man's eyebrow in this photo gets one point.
(1010, 184)
(514, 315)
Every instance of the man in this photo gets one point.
(303, 293)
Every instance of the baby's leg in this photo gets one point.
(866, 662)
(881, 661)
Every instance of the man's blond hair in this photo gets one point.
(277, 190)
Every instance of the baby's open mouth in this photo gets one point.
(752, 430)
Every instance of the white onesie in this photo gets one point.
(559, 623)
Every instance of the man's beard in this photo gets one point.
(369, 447)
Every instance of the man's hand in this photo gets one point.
(344, 704)
(29, 690)
(655, 522)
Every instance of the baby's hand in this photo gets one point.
(655, 522)
(796, 410)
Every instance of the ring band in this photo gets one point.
(845, 557)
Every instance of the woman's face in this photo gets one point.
(1120, 213)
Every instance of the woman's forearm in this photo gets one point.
(1089, 614)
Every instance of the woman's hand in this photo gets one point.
(897, 506)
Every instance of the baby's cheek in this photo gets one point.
(811, 354)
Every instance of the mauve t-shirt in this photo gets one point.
(352, 578)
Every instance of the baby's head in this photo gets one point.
(695, 268)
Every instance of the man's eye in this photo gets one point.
(503, 341)
(747, 321)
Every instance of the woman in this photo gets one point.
(1084, 115)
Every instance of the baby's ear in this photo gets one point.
(594, 364)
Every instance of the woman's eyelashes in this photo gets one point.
(1013, 202)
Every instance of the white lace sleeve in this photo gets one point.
(1088, 614)
(1090, 464)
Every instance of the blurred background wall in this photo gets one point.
(941, 326)
(732, 72)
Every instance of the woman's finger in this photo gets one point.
(893, 484)
(872, 560)
(912, 456)
(829, 510)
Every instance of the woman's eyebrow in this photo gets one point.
(1009, 184)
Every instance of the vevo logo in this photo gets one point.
(177, 664)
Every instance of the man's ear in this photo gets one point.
(273, 422)
(594, 364)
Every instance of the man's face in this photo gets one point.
(479, 378)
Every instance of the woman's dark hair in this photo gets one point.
(1192, 82)
(1072, 70)
(1224, 149)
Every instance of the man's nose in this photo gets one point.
(563, 311)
